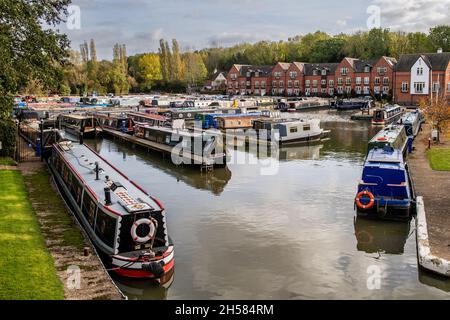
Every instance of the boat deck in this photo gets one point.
(82, 159)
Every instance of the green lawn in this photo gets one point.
(6, 161)
(27, 269)
(439, 159)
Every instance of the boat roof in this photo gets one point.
(408, 118)
(179, 132)
(388, 134)
(126, 196)
(76, 116)
(148, 115)
(385, 155)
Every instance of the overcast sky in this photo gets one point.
(203, 23)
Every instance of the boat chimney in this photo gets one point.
(107, 196)
(96, 170)
(439, 50)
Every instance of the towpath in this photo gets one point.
(434, 186)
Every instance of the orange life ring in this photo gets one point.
(360, 195)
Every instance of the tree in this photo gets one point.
(164, 53)
(93, 51)
(150, 70)
(437, 112)
(440, 37)
(176, 62)
(28, 50)
(329, 50)
(195, 72)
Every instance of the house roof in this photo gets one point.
(437, 61)
(284, 65)
(216, 74)
(263, 70)
(359, 65)
(309, 67)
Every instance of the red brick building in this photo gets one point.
(421, 76)
(249, 80)
(320, 79)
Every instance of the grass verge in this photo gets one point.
(7, 161)
(46, 199)
(439, 159)
(27, 270)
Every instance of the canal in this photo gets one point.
(246, 232)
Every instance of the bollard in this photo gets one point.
(429, 143)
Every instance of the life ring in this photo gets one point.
(360, 195)
(150, 234)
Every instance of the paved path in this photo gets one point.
(434, 186)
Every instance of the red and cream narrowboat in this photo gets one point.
(126, 224)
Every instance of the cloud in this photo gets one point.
(157, 34)
(413, 15)
(341, 23)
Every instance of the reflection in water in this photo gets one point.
(240, 234)
(381, 236)
(434, 280)
(141, 289)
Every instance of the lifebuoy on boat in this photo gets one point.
(362, 194)
(150, 234)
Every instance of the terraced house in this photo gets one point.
(413, 77)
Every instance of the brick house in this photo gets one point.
(295, 79)
(421, 76)
(279, 78)
(382, 76)
(248, 80)
(320, 79)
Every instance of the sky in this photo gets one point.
(197, 24)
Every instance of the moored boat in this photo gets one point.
(80, 125)
(353, 104)
(412, 123)
(387, 114)
(289, 130)
(119, 122)
(393, 136)
(127, 225)
(384, 190)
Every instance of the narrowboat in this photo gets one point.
(148, 118)
(115, 121)
(412, 123)
(393, 136)
(289, 130)
(198, 147)
(210, 120)
(125, 223)
(185, 113)
(79, 125)
(387, 114)
(353, 104)
(384, 190)
(237, 121)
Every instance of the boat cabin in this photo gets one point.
(393, 136)
(80, 124)
(115, 121)
(387, 114)
(148, 119)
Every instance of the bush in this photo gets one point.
(7, 137)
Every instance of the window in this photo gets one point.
(237, 85)
(248, 74)
(377, 80)
(436, 86)
(381, 70)
(348, 81)
(323, 90)
(358, 90)
(348, 89)
(358, 80)
(230, 85)
(296, 83)
(256, 84)
(76, 190)
(242, 84)
(307, 82)
(293, 129)
(314, 83)
(386, 81)
(324, 72)
(419, 86)
(323, 82)
(263, 84)
(256, 74)
(331, 91)
(404, 86)
(289, 83)
(420, 71)
(331, 83)
(274, 84)
(293, 74)
(248, 83)
(385, 90)
(105, 228)
(366, 80)
(366, 69)
(366, 90)
(233, 76)
(306, 127)
(277, 74)
(344, 71)
(281, 84)
(339, 80)
(314, 72)
(89, 208)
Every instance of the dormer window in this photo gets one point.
(366, 69)
(256, 74)
(324, 72)
(248, 74)
(420, 71)
(314, 72)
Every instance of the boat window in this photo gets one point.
(105, 228)
(89, 208)
(293, 129)
(306, 127)
(75, 189)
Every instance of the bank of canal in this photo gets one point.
(242, 235)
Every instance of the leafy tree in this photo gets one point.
(150, 70)
(437, 112)
(440, 37)
(195, 72)
(176, 66)
(329, 50)
(164, 53)
(28, 50)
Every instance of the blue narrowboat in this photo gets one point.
(412, 123)
(385, 188)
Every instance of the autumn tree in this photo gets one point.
(437, 112)
(150, 70)
(164, 53)
(176, 63)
